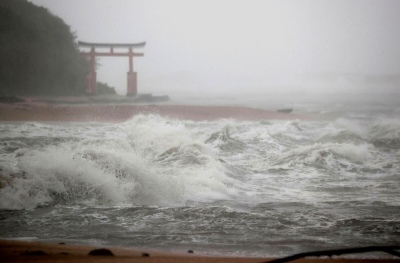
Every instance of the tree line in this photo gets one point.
(38, 52)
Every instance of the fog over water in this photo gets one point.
(244, 46)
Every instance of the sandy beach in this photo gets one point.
(41, 111)
(18, 251)
(34, 251)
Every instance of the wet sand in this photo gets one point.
(18, 251)
(43, 112)
(22, 251)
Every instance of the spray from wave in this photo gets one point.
(146, 161)
(281, 186)
(151, 160)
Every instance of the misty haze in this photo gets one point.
(228, 128)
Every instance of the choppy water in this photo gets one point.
(260, 188)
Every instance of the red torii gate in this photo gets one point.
(91, 77)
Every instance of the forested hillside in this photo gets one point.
(38, 53)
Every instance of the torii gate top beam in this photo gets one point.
(111, 45)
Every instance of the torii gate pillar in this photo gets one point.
(132, 84)
(132, 77)
(91, 80)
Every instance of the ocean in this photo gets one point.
(267, 188)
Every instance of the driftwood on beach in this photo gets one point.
(285, 110)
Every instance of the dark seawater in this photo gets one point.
(259, 188)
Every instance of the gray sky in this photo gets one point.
(232, 45)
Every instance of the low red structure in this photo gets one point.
(91, 55)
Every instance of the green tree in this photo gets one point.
(38, 52)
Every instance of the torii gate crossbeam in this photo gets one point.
(91, 80)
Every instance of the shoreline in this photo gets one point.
(37, 251)
(116, 113)
(16, 251)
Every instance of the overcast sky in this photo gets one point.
(246, 45)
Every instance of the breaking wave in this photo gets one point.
(385, 133)
(146, 161)
(151, 160)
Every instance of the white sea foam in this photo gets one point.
(160, 182)
(385, 129)
(151, 160)
(126, 167)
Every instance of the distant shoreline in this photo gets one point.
(85, 110)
